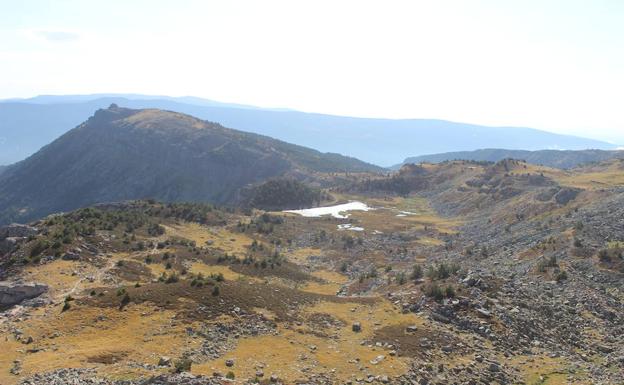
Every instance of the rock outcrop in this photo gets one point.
(16, 230)
(14, 293)
(11, 235)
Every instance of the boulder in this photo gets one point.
(356, 327)
(17, 231)
(71, 257)
(7, 245)
(164, 361)
(14, 293)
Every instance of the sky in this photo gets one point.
(556, 65)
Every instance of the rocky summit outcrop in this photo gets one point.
(14, 293)
(17, 230)
(12, 234)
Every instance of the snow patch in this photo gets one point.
(348, 226)
(334, 211)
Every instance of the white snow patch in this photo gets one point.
(348, 226)
(334, 211)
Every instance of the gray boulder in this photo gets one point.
(14, 293)
(16, 230)
(7, 245)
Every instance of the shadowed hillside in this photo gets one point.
(120, 154)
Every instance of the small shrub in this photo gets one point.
(417, 272)
(434, 291)
(183, 365)
(125, 300)
(604, 256)
(172, 278)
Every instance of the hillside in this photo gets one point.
(470, 273)
(27, 125)
(552, 158)
(121, 154)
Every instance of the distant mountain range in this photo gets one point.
(120, 154)
(28, 124)
(551, 158)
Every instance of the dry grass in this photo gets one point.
(331, 284)
(86, 337)
(307, 352)
(207, 270)
(543, 370)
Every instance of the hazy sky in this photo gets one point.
(555, 65)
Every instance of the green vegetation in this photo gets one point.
(281, 194)
(182, 365)
(544, 264)
(417, 272)
(442, 271)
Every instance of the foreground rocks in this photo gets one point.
(14, 293)
(12, 235)
(89, 377)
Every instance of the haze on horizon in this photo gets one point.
(554, 65)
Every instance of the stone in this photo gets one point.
(70, 257)
(356, 327)
(229, 363)
(14, 293)
(164, 361)
(411, 329)
(377, 359)
(7, 245)
(16, 230)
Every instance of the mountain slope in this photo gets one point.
(121, 154)
(28, 125)
(551, 158)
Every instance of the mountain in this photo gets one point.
(120, 154)
(563, 159)
(27, 125)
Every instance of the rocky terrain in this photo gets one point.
(455, 273)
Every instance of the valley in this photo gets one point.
(505, 273)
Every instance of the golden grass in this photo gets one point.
(543, 370)
(331, 285)
(301, 256)
(218, 237)
(140, 333)
(295, 353)
(228, 273)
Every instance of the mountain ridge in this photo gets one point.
(563, 159)
(379, 141)
(120, 154)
